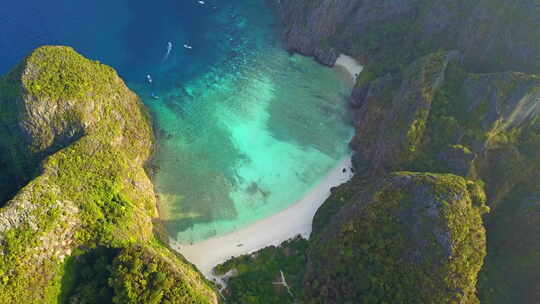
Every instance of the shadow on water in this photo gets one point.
(207, 207)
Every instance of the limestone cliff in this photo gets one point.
(402, 238)
(436, 116)
(481, 126)
(76, 139)
(493, 35)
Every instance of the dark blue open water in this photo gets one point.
(245, 129)
(129, 35)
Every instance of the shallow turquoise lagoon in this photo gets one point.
(247, 138)
(245, 129)
(245, 145)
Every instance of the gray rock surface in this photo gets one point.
(372, 30)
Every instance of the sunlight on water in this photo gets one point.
(240, 146)
(244, 128)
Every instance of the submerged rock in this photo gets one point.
(474, 112)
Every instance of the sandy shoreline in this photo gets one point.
(272, 230)
(350, 64)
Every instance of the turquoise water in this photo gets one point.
(249, 144)
(245, 129)
(249, 137)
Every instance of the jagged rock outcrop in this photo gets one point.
(78, 138)
(402, 238)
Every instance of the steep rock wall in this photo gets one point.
(78, 139)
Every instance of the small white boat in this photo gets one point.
(149, 78)
(201, 2)
(187, 46)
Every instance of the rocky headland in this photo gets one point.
(80, 227)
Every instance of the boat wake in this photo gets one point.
(169, 49)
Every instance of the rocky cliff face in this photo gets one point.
(403, 238)
(480, 126)
(512, 269)
(54, 98)
(76, 138)
(493, 35)
(391, 120)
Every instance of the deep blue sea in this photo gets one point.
(245, 129)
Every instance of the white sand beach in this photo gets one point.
(350, 64)
(272, 230)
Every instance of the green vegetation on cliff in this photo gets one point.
(405, 238)
(80, 138)
(480, 126)
(85, 276)
(387, 36)
(60, 74)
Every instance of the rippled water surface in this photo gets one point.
(245, 129)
